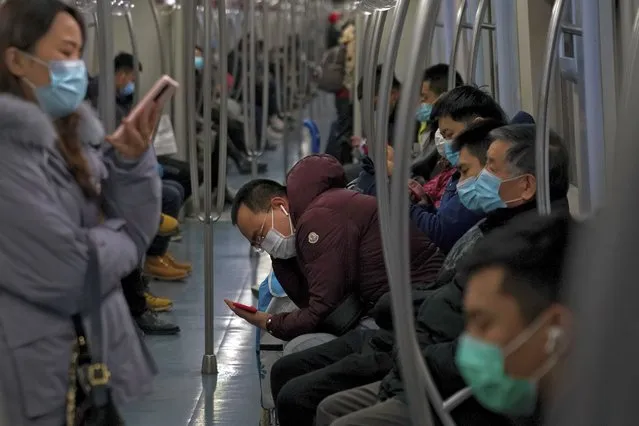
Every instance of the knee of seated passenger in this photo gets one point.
(280, 375)
(289, 394)
(325, 413)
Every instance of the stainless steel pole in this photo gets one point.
(476, 41)
(452, 71)
(136, 55)
(542, 127)
(106, 83)
(266, 45)
(209, 361)
(252, 87)
(190, 99)
(224, 96)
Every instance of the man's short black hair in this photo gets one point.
(256, 195)
(465, 104)
(532, 249)
(378, 78)
(476, 138)
(437, 77)
(521, 155)
(125, 62)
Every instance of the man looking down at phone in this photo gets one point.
(326, 248)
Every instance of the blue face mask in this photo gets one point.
(451, 156)
(423, 113)
(481, 364)
(199, 63)
(128, 90)
(481, 194)
(68, 87)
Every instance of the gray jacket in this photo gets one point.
(45, 223)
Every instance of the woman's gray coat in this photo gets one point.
(45, 223)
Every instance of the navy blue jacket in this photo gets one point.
(446, 225)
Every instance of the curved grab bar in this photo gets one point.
(474, 47)
(106, 80)
(190, 99)
(383, 109)
(452, 72)
(541, 130)
(507, 62)
(135, 52)
(416, 376)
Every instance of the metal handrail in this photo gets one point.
(482, 7)
(106, 80)
(265, 80)
(452, 72)
(416, 376)
(542, 128)
(135, 52)
(190, 99)
(383, 109)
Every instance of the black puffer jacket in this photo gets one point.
(440, 321)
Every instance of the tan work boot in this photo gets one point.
(158, 304)
(168, 226)
(157, 267)
(184, 266)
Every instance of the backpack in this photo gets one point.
(332, 70)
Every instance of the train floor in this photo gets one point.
(182, 395)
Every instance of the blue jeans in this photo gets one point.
(172, 199)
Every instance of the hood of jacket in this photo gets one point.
(311, 177)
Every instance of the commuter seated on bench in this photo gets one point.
(326, 248)
(505, 189)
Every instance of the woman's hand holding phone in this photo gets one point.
(136, 135)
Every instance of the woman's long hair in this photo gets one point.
(22, 24)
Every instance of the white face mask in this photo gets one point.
(440, 142)
(276, 244)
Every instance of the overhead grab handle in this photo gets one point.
(542, 127)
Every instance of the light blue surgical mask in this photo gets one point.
(451, 156)
(199, 63)
(67, 89)
(423, 113)
(128, 90)
(481, 194)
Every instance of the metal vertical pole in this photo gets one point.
(476, 44)
(209, 361)
(136, 53)
(224, 96)
(246, 102)
(542, 127)
(266, 45)
(448, 11)
(252, 66)
(190, 106)
(107, 71)
(452, 71)
(507, 60)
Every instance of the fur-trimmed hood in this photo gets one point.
(18, 116)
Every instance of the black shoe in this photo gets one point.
(151, 324)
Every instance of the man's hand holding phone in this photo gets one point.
(248, 313)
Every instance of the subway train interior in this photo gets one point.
(238, 308)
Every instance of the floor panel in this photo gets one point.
(182, 396)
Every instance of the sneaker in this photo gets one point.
(276, 123)
(158, 267)
(168, 226)
(157, 304)
(150, 323)
(184, 266)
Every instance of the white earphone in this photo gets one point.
(554, 336)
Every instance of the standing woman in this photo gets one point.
(64, 187)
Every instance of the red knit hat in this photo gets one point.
(334, 17)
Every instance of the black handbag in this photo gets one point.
(89, 401)
(344, 317)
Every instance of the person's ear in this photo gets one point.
(15, 61)
(279, 203)
(529, 183)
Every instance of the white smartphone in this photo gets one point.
(161, 92)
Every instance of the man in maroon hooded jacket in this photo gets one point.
(325, 244)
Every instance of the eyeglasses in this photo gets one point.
(257, 244)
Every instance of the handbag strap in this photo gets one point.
(98, 373)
